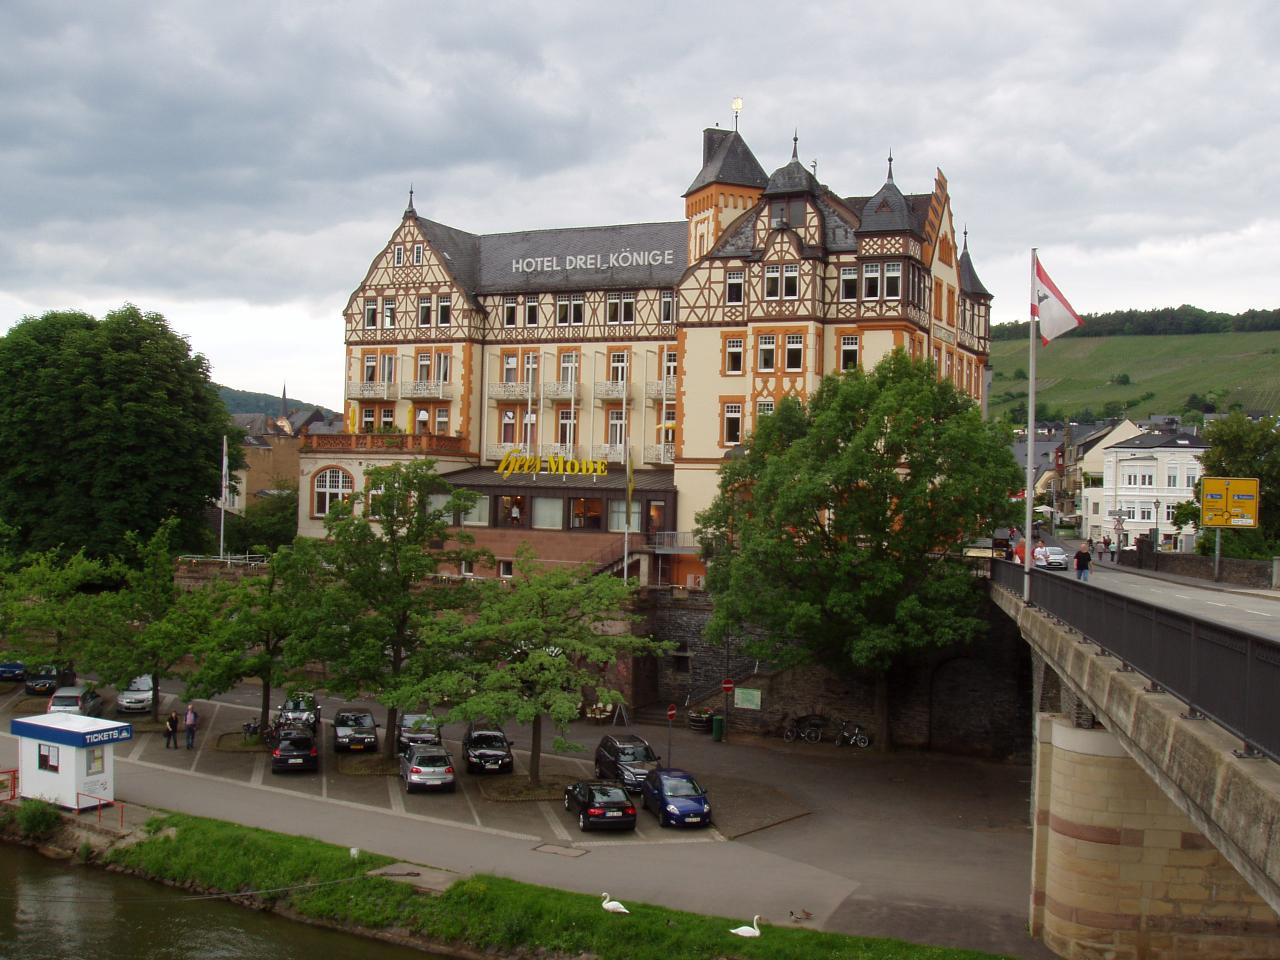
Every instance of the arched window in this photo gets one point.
(331, 486)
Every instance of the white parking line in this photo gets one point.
(393, 788)
(1183, 596)
(259, 769)
(466, 795)
(1212, 604)
(557, 827)
(207, 727)
(138, 744)
(1257, 612)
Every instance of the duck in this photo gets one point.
(612, 906)
(751, 931)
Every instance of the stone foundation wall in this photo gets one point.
(971, 699)
(1119, 872)
(1260, 574)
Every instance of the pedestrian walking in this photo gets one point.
(1111, 549)
(1040, 555)
(171, 730)
(191, 722)
(1083, 559)
(1090, 545)
(1106, 547)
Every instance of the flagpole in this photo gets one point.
(1029, 490)
(222, 503)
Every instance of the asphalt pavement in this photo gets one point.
(924, 847)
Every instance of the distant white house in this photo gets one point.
(1143, 479)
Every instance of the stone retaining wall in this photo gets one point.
(1260, 574)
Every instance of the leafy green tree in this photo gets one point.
(149, 626)
(535, 646)
(1186, 514)
(109, 426)
(1240, 447)
(267, 524)
(828, 540)
(271, 621)
(385, 550)
(46, 605)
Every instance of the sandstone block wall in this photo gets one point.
(1119, 872)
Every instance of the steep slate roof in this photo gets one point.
(792, 178)
(727, 159)
(499, 250)
(888, 210)
(461, 250)
(969, 282)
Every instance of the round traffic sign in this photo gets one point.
(671, 712)
(727, 685)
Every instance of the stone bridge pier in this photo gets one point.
(1152, 839)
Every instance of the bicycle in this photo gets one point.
(808, 728)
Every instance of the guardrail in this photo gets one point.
(98, 807)
(9, 784)
(1221, 673)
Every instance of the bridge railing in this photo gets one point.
(1226, 674)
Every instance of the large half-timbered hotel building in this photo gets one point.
(664, 343)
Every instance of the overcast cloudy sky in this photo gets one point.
(236, 165)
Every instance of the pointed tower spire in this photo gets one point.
(966, 238)
(284, 403)
(891, 165)
(408, 211)
(795, 144)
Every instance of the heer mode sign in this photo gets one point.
(1229, 502)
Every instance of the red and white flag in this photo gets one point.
(1048, 303)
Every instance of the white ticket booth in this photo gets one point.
(68, 759)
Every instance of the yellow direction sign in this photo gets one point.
(1229, 502)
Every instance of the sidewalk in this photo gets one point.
(1073, 545)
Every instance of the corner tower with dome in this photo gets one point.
(657, 344)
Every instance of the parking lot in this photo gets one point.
(922, 846)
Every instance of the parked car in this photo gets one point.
(137, 697)
(354, 730)
(676, 798)
(427, 765)
(1057, 559)
(600, 804)
(83, 700)
(417, 728)
(625, 757)
(13, 670)
(43, 680)
(301, 708)
(487, 748)
(296, 750)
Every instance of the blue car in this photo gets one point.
(13, 671)
(675, 798)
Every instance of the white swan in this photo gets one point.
(751, 931)
(613, 906)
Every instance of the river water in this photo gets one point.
(51, 910)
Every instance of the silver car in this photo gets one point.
(83, 700)
(137, 697)
(427, 767)
(1057, 558)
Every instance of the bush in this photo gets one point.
(38, 820)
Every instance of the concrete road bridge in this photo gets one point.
(1156, 789)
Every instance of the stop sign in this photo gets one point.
(727, 685)
(671, 712)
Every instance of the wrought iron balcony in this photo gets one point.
(496, 451)
(521, 390)
(561, 390)
(659, 453)
(427, 390)
(653, 389)
(558, 450)
(611, 389)
(371, 390)
(610, 452)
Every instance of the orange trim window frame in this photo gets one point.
(609, 351)
(780, 335)
(725, 402)
(743, 339)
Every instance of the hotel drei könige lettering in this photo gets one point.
(516, 461)
(595, 261)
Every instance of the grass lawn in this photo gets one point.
(481, 911)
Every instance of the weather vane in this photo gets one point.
(737, 109)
